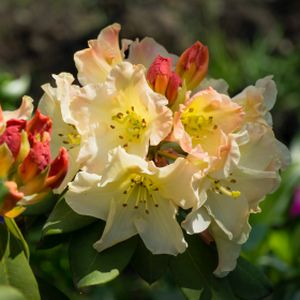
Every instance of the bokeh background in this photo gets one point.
(247, 39)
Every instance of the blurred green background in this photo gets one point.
(247, 41)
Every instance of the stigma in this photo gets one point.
(220, 189)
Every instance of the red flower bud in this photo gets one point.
(39, 124)
(58, 169)
(12, 135)
(172, 90)
(159, 73)
(36, 161)
(193, 64)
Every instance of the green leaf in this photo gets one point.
(9, 293)
(3, 192)
(64, 220)
(90, 267)
(194, 268)
(14, 267)
(246, 279)
(149, 266)
(50, 292)
(14, 229)
(191, 294)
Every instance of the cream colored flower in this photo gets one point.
(136, 197)
(226, 203)
(69, 121)
(124, 111)
(204, 123)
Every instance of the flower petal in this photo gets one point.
(196, 221)
(228, 252)
(119, 226)
(145, 51)
(95, 62)
(160, 231)
(84, 198)
(23, 112)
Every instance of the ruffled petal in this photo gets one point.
(23, 112)
(95, 62)
(145, 51)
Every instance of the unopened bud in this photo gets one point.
(193, 64)
(39, 124)
(172, 90)
(159, 73)
(36, 161)
(12, 135)
(58, 169)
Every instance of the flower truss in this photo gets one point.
(149, 137)
(26, 168)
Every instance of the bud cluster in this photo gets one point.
(26, 167)
(191, 68)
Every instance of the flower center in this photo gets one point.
(130, 123)
(144, 190)
(72, 138)
(195, 123)
(225, 190)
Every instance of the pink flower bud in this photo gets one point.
(193, 64)
(159, 73)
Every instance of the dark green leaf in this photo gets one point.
(42, 207)
(14, 268)
(191, 294)
(64, 220)
(50, 292)
(90, 267)
(14, 229)
(194, 270)
(150, 267)
(246, 279)
(9, 293)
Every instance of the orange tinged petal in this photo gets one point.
(58, 169)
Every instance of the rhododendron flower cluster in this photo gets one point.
(156, 148)
(26, 168)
